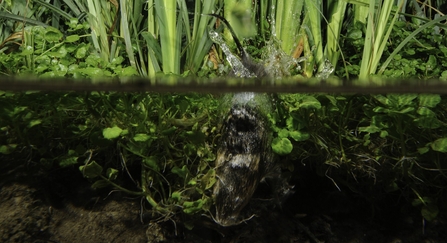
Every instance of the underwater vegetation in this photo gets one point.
(163, 147)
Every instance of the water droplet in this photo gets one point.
(327, 70)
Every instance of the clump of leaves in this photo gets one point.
(170, 138)
(167, 138)
(48, 53)
(371, 144)
(42, 127)
(291, 121)
(422, 57)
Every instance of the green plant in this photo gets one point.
(371, 144)
(291, 122)
(377, 34)
(168, 138)
(48, 53)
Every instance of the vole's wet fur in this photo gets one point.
(240, 166)
(244, 156)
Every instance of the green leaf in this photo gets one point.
(7, 149)
(17, 110)
(91, 170)
(299, 136)
(439, 145)
(391, 187)
(404, 99)
(72, 38)
(332, 99)
(421, 201)
(93, 72)
(53, 35)
(69, 161)
(152, 163)
(424, 111)
(176, 196)
(53, 74)
(382, 99)
(73, 22)
(429, 100)
(282, 146)
(193, 207)
(169, 131)
(100, 184)
(28, 50)
(141, 137)
(81, 52)
(355, 34)
(283, 133)
(423, 150)
(41, 68)
(196, 137)
(208, 179)
(93, 60)
(124, 132)
(405, 110)
(310, 102)
(112, 132)
(183, 172)
(428, 122)
(111, 173)
(290, 123)
(410, 52)
(152, 43)
(117, 61)
(70, 49)
(61, 52)
(34, 123)
(128, 72)
(370, 129)
(430, 212)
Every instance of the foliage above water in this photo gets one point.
(153, 37)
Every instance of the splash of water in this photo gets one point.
(239, 68)
(327, 70)
(272, 21)
(277, 63)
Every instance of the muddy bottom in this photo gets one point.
(59, 206)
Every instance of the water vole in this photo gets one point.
(244, 155)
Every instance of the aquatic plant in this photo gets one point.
(357, 141)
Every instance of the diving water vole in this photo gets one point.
(244, 155)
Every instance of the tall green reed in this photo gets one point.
(335, 15)
(199, 43)
(287, 23)
(171, 36)
(378, 31)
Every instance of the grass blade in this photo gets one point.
(18, 18)
(336, 11)
(313, 11)
(287, 23)
(167, 15)
(125, 32)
